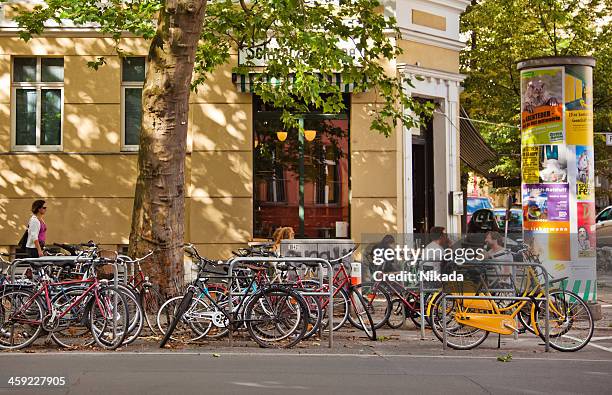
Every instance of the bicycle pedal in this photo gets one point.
(512, 328)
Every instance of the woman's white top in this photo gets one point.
(33, 229)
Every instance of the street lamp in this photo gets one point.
(310, 134)
(281, 135)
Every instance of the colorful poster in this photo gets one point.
(550, 241)
(545, 202)
(579, 105)
(544, 164)
(531, 164)
(585, 180)
(542, 106)
(558, 168)
(586, 229)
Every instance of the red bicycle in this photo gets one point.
(83, 307)
(348, 300)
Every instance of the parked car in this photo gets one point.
(603, 227)
(485, 220)
(476, 203)
(515, 224)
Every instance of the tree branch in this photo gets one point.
(246, 9)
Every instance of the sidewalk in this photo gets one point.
(350, 341)
(404, 341)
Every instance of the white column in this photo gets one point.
(452, 144)
(407, 170)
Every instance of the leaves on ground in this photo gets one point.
(505, 358)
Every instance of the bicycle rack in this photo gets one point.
(512, 264)
(308, 261)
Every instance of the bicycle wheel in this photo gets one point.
(315, 315)
(109, 318)
(458, 336)
(74, 327)
(276, 317)
(524, 317)
(571, 321)
(135, 312)
(397, 318)
(377, 301)
(151, 301)
(413, 310)
(362, 315)
(341, 304)
(173, 319)
(20, 319)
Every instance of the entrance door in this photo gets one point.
(422, 179)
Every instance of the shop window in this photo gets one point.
(37, 103)
(300, 181)
(132, 82)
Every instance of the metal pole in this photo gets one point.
(330, 307)
(421, 299)
(443, 321)
(230, 274)
(301, 181)
(546, 322)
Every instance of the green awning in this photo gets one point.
(245, 83)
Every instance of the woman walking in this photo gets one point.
(37, 230)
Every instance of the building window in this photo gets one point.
(301, 183)
(37, 103)
(132, 81)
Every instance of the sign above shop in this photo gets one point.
(258, 55)
(609, 139)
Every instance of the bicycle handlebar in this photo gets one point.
(351, 252)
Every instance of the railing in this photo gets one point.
(318, 262)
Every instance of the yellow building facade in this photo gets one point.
(88, 178)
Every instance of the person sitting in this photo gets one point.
(496, 252)
(280, 234)
(434, 251)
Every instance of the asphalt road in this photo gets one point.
(285, 373)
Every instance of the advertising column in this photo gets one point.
(558, 168)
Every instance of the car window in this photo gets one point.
(474, 204)
(605, 215)
(486, 203)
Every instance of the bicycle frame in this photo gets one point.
(45, 289)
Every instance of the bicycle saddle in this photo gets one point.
(41, 262)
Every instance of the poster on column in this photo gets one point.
(542, 106)
(585, 180)
(579, 105)
(544, 164)
(586, 229)
(546, 220)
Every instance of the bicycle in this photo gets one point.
(28, 310)
(274, 315)
(349, 300)
(470, 321)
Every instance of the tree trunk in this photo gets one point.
(158, 217)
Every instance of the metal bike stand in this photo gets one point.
(422, 289)
(546, 299)
(320, 262)
(129, 267)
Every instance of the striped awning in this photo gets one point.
(245, 83)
